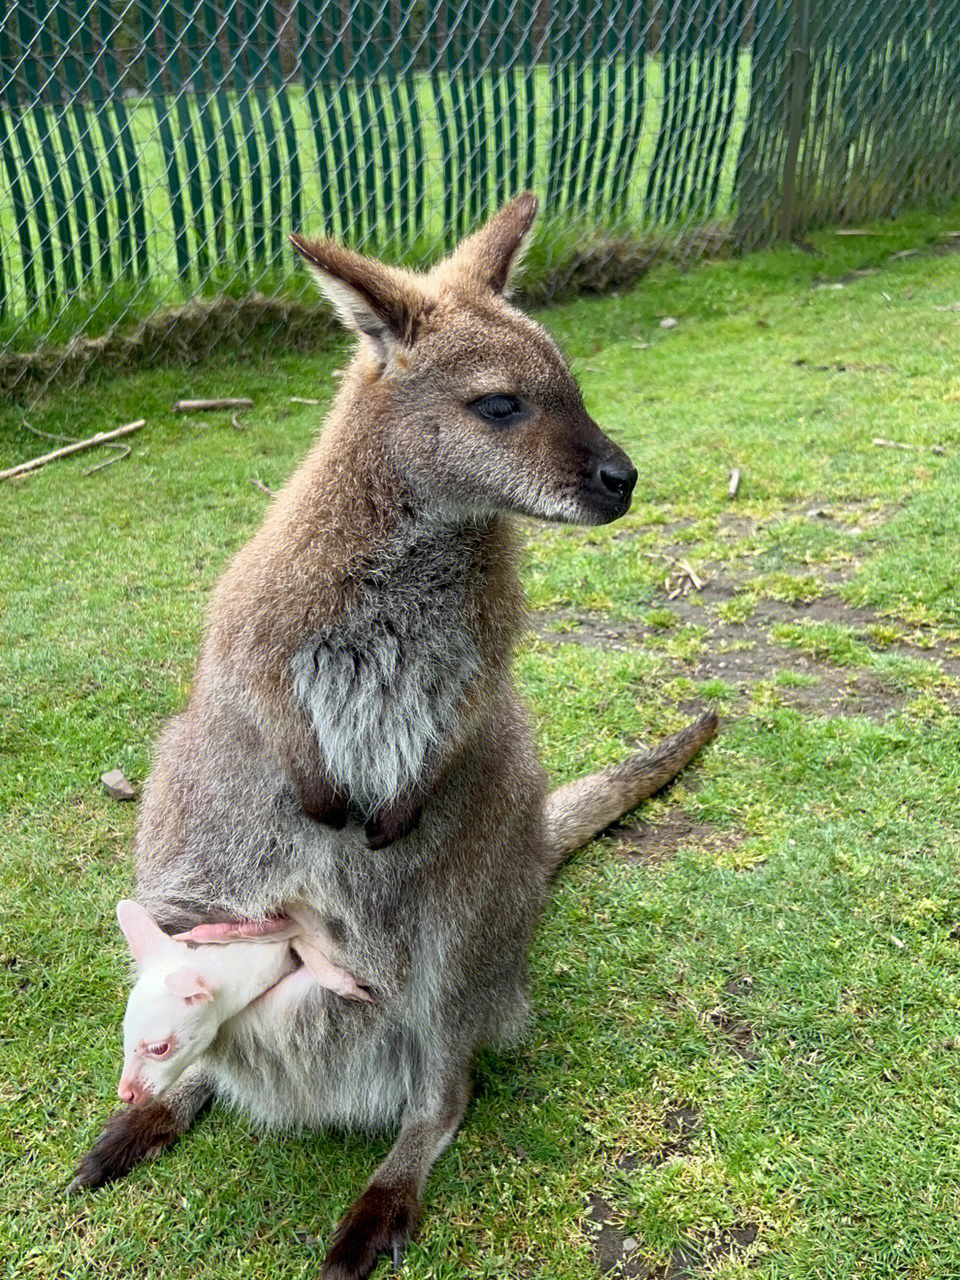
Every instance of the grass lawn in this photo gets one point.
(95, 306)
(744, 1058)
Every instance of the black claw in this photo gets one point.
(398, 1252)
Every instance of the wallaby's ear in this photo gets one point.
(141, 931)
(488, 257)
(371, 298)
(189, 984)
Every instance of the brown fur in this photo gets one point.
(577, 811)
(143, 1132)
(354, 742)
(133, 1134)
(380, 1221)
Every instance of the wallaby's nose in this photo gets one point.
(129, 1091)
(619, 479)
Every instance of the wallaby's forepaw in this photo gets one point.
(133, 1134)
(381, 1221)
(320, 799)
(392, 823)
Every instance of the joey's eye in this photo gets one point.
(158, 1050)
(499, 408)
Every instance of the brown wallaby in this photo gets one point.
(354, 740)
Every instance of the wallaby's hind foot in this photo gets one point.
(143, 1131)
(581, 809)
(381, 1221)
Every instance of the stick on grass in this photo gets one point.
(881, 443)
(102, 437)
(201, 406)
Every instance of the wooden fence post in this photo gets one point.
(799, 66)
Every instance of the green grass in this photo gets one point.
(93, 309)
(789, 975)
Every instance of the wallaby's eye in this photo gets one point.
(158, 1050)
(499, 408)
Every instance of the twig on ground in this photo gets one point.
(734, 483)
(679, 581)
(123, 452)
(302, 400)
(898, 444)
(46, 435)
(102, 437)
(258, 484)
(236, 423)
(200, 406)
(698, 582)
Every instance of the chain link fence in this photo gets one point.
(154, 156)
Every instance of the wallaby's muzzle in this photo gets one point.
(606, 475)
(612, 486)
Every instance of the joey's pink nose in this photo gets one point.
(130, 1091)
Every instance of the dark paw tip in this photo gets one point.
(379, 1222)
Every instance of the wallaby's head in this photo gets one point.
(477, 406)
(171, 1015)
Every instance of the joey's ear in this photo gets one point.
(189, 984)
(378, 301)
(489, 256)
(141, 931)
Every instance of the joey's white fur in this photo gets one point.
(185, 992)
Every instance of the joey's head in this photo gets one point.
(171, 1015)
(479, 410)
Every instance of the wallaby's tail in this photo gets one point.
(581, 809)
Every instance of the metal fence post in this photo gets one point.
(799, 64)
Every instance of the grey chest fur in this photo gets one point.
(385, 686)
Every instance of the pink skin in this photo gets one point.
(234, 929)
(170, 1019)
(130, 1089)
(328, 974)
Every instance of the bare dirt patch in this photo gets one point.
(649, 844)
(614, 1251)
(743, 654)
(680, 1124)
(738, 1034)
(608, 1245)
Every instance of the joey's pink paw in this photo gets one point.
(330, 975)
(351, 989)
(233, 930)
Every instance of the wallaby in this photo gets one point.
(186, 990)
(354, 740)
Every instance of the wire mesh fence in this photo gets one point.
(157, 152)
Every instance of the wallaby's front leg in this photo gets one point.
(383, 1218)
(401, 815)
